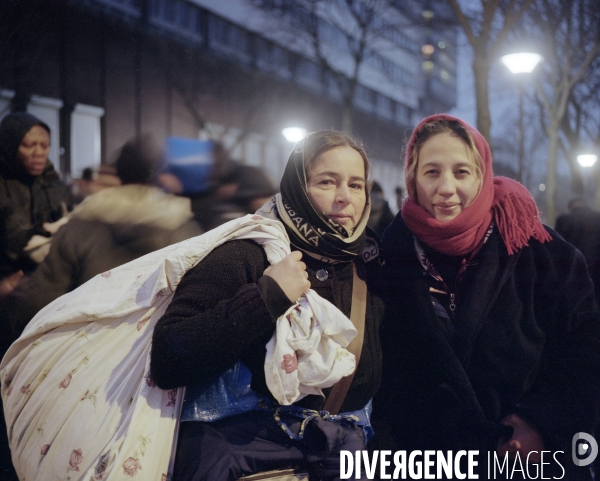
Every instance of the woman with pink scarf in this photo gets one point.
(491, 340)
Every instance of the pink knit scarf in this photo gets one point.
(501, 200)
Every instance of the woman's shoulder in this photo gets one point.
(397, 242)
(553, 260)
(395, 231)
(235, 256)
(556, 246)
(239, 250)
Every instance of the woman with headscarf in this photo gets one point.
(31, 193)
(492, 340)
(225, 310)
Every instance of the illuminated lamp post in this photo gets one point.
(587, 160)
(519, 64)
(294, 134)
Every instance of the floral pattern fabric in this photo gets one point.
(78, 399)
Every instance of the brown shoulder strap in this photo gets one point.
(357, 316)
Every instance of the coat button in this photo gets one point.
(321, 274)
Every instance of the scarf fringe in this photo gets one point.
(518, 220)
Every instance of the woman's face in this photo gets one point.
(446, 178)
(34, 149)
(337, 186)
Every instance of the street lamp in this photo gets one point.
(587, 160)
(523, 62)
(294, 134)
(518, 64)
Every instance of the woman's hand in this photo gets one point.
(525, 439)
(290, 273)
(53, 227)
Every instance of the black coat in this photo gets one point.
(581, 227)
(26, 201)
(25, 205)
(527, 341)
(224, 309)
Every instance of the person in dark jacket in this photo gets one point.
(32, 200)
(31, 193)
(253, 187)
(492, 340)
(581, 227)
(225, 309)
(381, 214)
(109, 228)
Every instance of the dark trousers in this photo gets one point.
(253, 442)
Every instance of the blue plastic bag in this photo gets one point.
(230, 394)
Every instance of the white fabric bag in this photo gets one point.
(78, 400)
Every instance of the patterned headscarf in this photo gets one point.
(309, 230)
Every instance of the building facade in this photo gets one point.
(102, 71)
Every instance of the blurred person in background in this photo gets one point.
(92, 182)
(106, 177)
(581, 227)
(81, 188)
(32, 200)
(234, 190)
(222, 186)
(381, 214)
(109, 228)
(32, 196)
(399, 197)
(250, 188)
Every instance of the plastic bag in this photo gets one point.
(230, 394)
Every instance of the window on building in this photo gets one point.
(5, 99)
(391, 70)
(333, 36)
(272, 58)
(403, 114)
(130, 7)
(332, 85)
(300, 15)
(308, 74)
(394, 34)
(85, 138)
(229, 39)
(384, 107)
(364, 98)
(178, 16)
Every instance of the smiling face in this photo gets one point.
(336, 186)
(34, 149)
(446, 178)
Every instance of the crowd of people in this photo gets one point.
(474, 326)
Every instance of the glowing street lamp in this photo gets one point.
(294, 134)
(518, 64)
(587, 160)
(523, 62)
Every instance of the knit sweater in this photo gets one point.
(225, 309)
